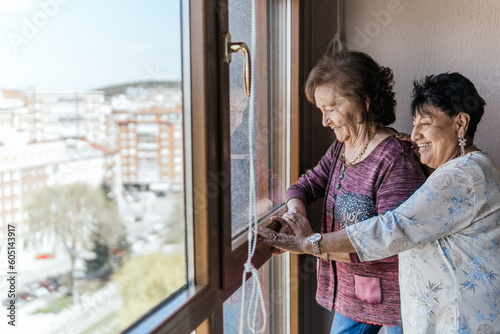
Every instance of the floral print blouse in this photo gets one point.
(447, 235)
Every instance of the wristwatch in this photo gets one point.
(315, 238)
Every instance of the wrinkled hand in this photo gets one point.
(407, 137)
(292, 237)
(282, 241)
(285, 229)
(298, 223)
(414, 147)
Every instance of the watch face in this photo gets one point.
(314, 237)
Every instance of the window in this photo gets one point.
(127, 240)
(205, 158)
(264, 137)
(220, 241)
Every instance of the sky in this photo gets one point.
(87, 44)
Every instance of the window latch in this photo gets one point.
(230, 48)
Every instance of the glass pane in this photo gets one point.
(261, 134)
(91, 161)
(272, 276)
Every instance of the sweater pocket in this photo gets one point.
(367, 289)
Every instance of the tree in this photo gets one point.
(174, 223)
(72, 213)
(108, 239)
(100, 266)
(147, 280)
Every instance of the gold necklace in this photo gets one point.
(346, 163)
(349, 163)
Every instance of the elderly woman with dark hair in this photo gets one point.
(447, 233)
(365, 172)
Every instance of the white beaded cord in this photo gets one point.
(256, 296)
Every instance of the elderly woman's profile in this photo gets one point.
(366, 171)
(447, 233)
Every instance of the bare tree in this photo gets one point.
(71, 213)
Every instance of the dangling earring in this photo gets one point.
(462, 142)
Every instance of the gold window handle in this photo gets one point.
(230, 48)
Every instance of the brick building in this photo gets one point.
(150, 143)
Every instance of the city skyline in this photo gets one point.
(76, 45)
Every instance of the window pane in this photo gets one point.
(91, 161)
(272, 276)
(262, 134)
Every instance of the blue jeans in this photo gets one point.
(345, 325)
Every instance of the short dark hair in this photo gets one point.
(450, 92)
(360, 79)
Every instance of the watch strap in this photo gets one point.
(317, 250)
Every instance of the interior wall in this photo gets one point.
(418, 38)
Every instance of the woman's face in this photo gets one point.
(339, 113)
(436, 135)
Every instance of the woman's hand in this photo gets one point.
(407, 137)
(282, 241)
(292, 225)
(298, 223)
(284, 229)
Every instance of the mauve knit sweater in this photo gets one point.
(389, 175)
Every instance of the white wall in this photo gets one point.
(417, 38)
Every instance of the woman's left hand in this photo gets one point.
(285, 229)
(285, 242)
(295, 243)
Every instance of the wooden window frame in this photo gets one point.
(217, 265)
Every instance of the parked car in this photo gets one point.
(49, 284)
(38, 290)
(44, 256)
(26, 296)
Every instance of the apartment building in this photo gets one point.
(150, 143)
(30, 167)
(51, 115)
